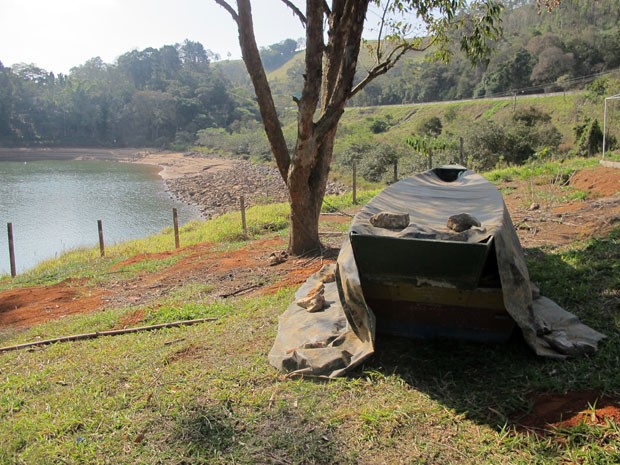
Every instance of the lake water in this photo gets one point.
(54, 206)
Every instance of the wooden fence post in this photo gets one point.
(462, 152)
(175, 222)
(9, 228)
(101, 244)
(514, 104)
(354, 183)
(243, 222)
(396, 170)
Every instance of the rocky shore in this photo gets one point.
(212, 183)
(217, 191)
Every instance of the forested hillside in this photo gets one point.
(178, 94)
(539, 52)
(151, 97)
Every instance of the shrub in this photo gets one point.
(378, 126)
(588, 137)
(430, 127)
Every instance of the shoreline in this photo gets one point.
(212, 184)
(172, 164)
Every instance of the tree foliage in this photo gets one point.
(276, 55)
(528, 131)
(537, 51)
(589, 137)
(150, 97)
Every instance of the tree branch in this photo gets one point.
(346, 27)
(297, 12)
(312, 79)
(386, 65)
(380, 35)
(228, 8)
(114, 332)
(256, 70)
(326, 9)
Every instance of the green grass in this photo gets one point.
(226, 229)
(206, 394)
(87, 264)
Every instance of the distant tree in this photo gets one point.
(538, 43)
(553, 62)
(430, 127)
(379, 160)
(510, 74)
(426, 145)
(531, 116)
(377, 126)
(276, 55)
(610, 48)
(193, 53)
(528, 131)
(138, 66)
(5, 105)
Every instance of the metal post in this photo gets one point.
(514, 105)
(9, 227)
(604, 128)
(101, 244)
(462, 152)
(613, 97)
(175, 222)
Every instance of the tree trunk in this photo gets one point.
(306, 186)
(305, 211)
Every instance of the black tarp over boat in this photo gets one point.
(425, 280)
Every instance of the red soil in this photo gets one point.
(232, 273)
(552, 411)
(20, 308)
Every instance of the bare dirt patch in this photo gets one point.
(226, 273)
(21, 308)
(552, 411)
(543, 216)
(177, 165)
(598, 182)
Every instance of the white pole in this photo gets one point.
(613, 97)
(604, 128)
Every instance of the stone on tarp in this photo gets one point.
(462, 222)
(390, 220)
(314, 301)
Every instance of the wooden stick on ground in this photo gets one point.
(116, 332)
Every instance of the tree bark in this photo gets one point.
(306, 185)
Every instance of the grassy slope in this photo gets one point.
(564, 110)
(205, 394)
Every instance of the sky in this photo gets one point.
(57, 35)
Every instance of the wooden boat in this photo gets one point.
(426, 280)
